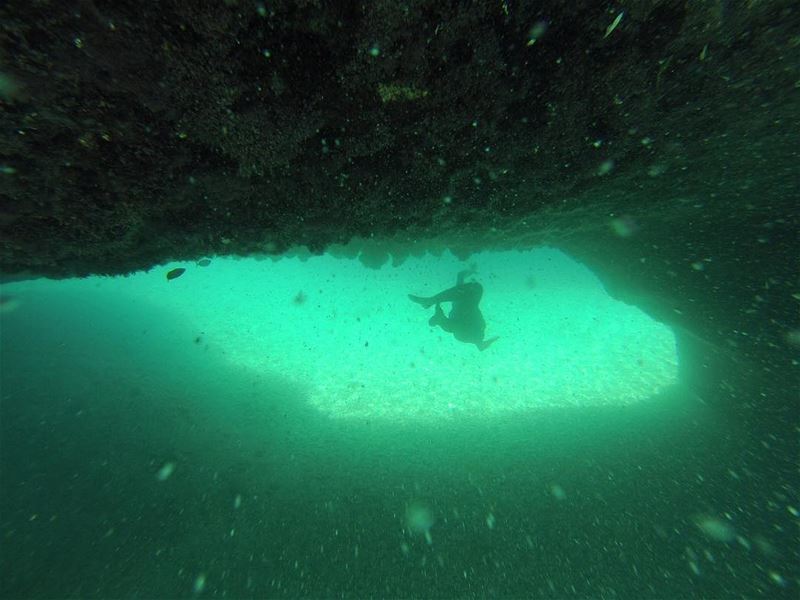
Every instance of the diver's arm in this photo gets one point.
(454, 294)
(462, 275)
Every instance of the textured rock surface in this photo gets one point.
(662, 152)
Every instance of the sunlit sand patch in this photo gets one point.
(452, 381)
(362, 350)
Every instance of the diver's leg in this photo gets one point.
(465, 292)
(464, 274)
(440, 319)
(437, 316)
(457, 293)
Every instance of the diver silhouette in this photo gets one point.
(465, 321)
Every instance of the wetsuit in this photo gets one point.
(465, 321)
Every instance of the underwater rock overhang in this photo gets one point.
(178, 151)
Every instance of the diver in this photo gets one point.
(465, 321)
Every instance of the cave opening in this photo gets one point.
(351, 339)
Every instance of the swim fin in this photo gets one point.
(486, 343)
(438, 317)
(424, 302)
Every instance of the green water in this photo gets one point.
(295, 428)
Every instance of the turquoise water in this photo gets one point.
(261, 428)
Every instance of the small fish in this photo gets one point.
(175, 273)
(203, 262)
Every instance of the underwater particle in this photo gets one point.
(375, 51)
(392, 92)
(764, 545)
(175, 273)
(490, 521)
(404, 549)
(203, 262)
(656, 170)
(419, 519)
(6, 170)
(698, 265)
(299, 299)
(199, 583)
(537, 31)
(605, 167)
(777, 578)
(624, 226)
(715, 528)
(165, 471)
(8, 304)
(614, 24)
(237, 502)
(10, 89)
(557, 491)
(793, 337)
(693, 559)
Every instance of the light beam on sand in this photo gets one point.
(361, 349)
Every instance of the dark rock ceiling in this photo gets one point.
(662, 151)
